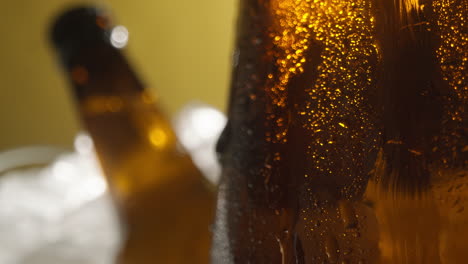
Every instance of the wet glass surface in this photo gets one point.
(346, 139)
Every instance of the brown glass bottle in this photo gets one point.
(346, 140)
(164, 202)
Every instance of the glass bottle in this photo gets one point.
(165, 204)
(346, 140)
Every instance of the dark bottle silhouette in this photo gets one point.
(165, 204)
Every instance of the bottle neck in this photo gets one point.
(100, 70)
(128, 130)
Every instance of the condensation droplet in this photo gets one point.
(298, 250)
(331, 249)
(348, 215)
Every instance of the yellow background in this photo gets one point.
(181, 48)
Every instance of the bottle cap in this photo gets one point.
(79, 28)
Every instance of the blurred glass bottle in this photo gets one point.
(346, 140)
(165, 204)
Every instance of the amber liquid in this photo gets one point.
(165, 204)
(346, 140)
